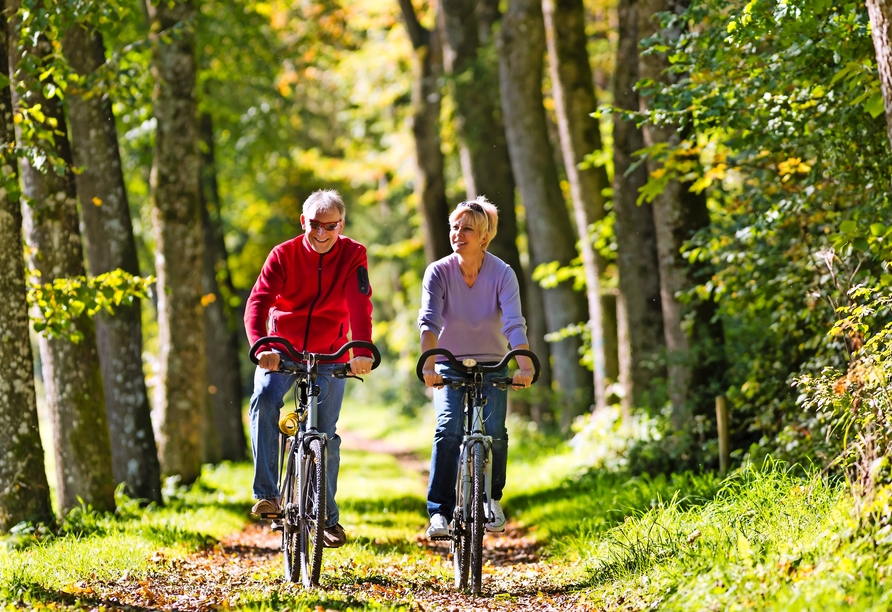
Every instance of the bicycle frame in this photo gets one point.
(475, 433)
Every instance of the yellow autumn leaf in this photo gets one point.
(97, 201)
(209, 298)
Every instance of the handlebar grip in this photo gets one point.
(455, 363)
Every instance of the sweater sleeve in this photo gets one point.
(433, 296)
(514, 326)
(263, 296)
(358, 293)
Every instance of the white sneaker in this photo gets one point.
(497, 524)
(439, 527)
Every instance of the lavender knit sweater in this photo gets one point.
(480, 321)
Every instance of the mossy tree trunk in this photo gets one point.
(636, 253)
(549, 228)
(430, 186)
(176, 211)
(24, 491)
(580, 135)
(110, 245)
(222, 332)
(71, 371)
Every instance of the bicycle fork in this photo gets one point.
(468, 442)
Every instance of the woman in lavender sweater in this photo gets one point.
(470, 305)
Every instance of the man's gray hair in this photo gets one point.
(325, 200)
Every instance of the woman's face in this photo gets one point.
(463, 237)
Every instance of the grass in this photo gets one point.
(769, 537)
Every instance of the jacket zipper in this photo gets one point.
(313, 305)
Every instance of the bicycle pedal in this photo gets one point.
(445, 538)
(271, 515)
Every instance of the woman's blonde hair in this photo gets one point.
(482, 215)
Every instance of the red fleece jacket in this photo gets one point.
(312, 300)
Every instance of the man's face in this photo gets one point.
(316, 224)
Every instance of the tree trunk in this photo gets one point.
(694, 357)
(474, 82)
(224, 378)
(549, 227)
(24, 491)
(486, 163)
(430, 187)
(880, 12)
(639, 275)
(574, 97)
(110, 245)
(71, 371)
(176, 201)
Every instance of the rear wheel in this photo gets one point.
(461, 535)
(290, 524)
(313, 517)
(478, 517)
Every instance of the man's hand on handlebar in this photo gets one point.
(268, 360)
(361, 365)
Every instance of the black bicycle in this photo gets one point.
(303, 451)
(473, 484)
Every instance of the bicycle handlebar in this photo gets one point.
(298, 356)
(458, 365)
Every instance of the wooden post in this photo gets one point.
(721, 417)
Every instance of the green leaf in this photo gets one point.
(874, 105)
(848, 227)
(877, 229)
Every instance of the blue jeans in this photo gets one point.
(266, 401)
(448, 435)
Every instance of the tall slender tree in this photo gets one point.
(880, 12)
(71, 370)
(430, 186)
(24, 491)
(678, 214)
(640, 305)
(110, 245)
(222, 333)
(521, 53)
(574, 95)
(176, 212)
(486, 163)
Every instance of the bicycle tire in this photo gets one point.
(290, 528)
(478, 518)
(313, 519)
(461, 535)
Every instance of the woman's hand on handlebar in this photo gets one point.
(361, 365)
(524, 378)
(431, 378)
(269, 360)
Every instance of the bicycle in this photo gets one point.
(303, 452)
(473, 484)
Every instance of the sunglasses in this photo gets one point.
(328, 227)
(472, 205)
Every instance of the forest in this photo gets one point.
(696, 199)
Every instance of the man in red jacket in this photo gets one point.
(312, 290)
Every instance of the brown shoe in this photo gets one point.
(266, 508)
(334, 536)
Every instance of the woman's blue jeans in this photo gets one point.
(266, 401)
(449, 409)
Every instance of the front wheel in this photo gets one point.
(461, 533)
(313, 511)
(478, 517)
(290, 522)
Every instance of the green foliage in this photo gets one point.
(778, 100)
(62, 302)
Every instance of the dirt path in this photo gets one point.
(220, 577)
